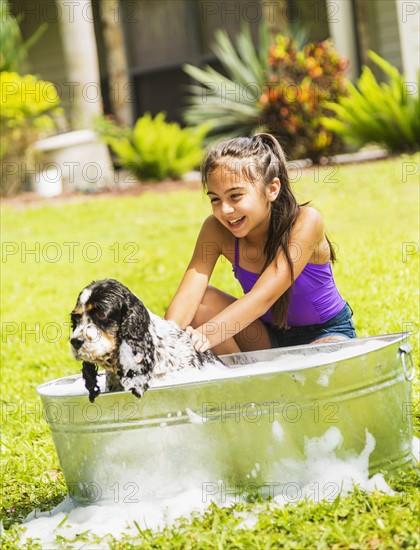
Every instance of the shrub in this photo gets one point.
(13, 49)
(154, 149)
(294, 98)
(229, 103)
(386, 114)
(28, 107)
(280, 88)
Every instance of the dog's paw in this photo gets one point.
(137, 384)
(136, 393)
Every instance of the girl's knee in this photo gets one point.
(210, 295)
(213, 302)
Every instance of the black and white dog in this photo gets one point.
(113, 329)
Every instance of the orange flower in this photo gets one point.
(316, 72)
(310, 62)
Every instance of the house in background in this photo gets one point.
(125, 57)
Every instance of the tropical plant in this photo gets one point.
(154, 149)
(13, 48)
(28, 108)
(280, 88)
(384, 113)
(293, 100)
(229, 104)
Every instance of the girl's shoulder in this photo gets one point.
(211, 225)
(309, 213)
(309, 232)
(309, 217)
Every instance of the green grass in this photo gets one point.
(371, 211)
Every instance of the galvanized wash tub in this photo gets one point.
(252, 425)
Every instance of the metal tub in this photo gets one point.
(248, 426)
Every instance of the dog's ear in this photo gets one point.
(135, 318)
(137, 350)
(90, 372)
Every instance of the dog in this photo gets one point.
(113, 329)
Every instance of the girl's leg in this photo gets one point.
(332, 338)
(253, 337)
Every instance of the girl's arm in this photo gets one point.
(191, 290)
(308, 230)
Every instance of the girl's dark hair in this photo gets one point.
(261, 158)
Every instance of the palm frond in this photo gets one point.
(230, 104)
(383, 113)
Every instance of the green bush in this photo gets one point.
(154, 149)
(293, 101)
(28, 108)
(386, 114)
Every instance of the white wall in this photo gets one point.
(408, 16)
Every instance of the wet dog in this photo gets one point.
(113, 329)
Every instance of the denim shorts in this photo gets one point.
(339, 325)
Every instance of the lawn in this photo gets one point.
(49, 253)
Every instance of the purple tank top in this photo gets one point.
(314, 297)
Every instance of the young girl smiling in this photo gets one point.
(279, 252)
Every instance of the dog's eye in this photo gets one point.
(75, 318)
(101, 316)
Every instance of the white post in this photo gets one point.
(81, 58)
(84, 163)
(343, 32)
(408, 16)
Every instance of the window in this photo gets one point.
(162, 35)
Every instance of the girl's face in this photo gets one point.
(240, 205)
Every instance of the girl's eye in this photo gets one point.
(236, 196)
(214, 200)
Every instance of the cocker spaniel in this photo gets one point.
(113, 329)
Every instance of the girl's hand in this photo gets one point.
(198, 339)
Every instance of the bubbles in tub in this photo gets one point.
(195, 418)
(324, 378)
(415, 448)
(279, 363)
(69, 386)
(299, 377)
(277, 431)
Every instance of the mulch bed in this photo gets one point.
(33, 200)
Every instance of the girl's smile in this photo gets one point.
(235, 223)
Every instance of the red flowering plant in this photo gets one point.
(299, 83)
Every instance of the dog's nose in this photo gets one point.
(76, 343)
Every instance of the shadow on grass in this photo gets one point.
(19, 511)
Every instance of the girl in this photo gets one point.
(279, 252)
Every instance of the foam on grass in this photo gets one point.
(321, 475)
